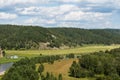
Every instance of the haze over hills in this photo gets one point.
(34, 37)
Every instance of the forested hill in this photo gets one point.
(27, 37)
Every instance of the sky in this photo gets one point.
(90, 14)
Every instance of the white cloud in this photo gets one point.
(89, 16)
(7, 15)
(98, 1)
(74, 16)
(31, 20)
(88, 25)
(39, 21)
(59, 15)
(66, 13)
(71, 0)
(47, 11)
(113, 3)
(59, 10)
(12, 2)
(116, 3)
(28, 11)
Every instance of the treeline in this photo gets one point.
(100, 65)
(25, 69)
(33, 37)
(50, 76)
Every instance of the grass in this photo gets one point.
(63, 68)
(1, 77)
(58, 67)
(79, 50)
(5, 60)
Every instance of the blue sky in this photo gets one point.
(61, 13)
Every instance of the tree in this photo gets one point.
(47, 76)
(60, 77)
(71, 55)
(41, 69)
(4, 53)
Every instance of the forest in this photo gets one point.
(98, 65)
(101, 65)
(25, 69)
(34, 37)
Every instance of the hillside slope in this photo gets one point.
(92, 36)
(27, 37)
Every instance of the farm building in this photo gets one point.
(14, 57)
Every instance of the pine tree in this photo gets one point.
(60, 77)
(41, 69)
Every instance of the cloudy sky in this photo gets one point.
(61, 13)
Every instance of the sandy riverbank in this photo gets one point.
(2, 73)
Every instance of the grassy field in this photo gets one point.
(32, 53)
(59, 66)
(4, 60)
(63, 68)
(79, 50)
(1, 77)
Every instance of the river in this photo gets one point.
(4, 67)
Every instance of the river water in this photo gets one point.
(4, 67)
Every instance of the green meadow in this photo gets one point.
(5, 60)
(55, 68)
(78, 50)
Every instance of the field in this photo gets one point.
(63, 68)
(79, 50)
(0, 77)
(32, 53)
(4, 60)
(58, 66)
(63, 65)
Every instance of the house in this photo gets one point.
(14, 57)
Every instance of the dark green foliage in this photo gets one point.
(21, 73)
(70, 55)
(25, 69)
(76, 36)
(73, 69)
(111, 77)
(77, 71)
(4, 53)
(60, 77)
(41, 69)
(50, 76)
(30, 37)
(103, 63)
(23, 37)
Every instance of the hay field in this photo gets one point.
(78, 50)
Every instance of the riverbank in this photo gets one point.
(2, 73)
(4, 67)
(5, 60)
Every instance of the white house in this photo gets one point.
(14, 57)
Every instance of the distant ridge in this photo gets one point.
(35, 37)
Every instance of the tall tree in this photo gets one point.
(41, 68)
